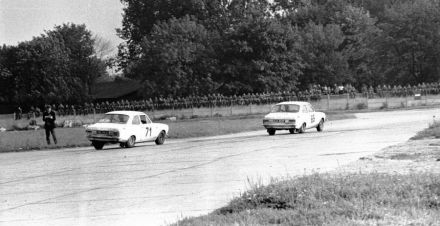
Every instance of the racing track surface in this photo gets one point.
(156, 185)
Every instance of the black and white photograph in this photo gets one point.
(219, 112)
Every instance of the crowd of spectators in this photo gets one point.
(313, 93)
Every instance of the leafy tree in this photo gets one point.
(408, 48)
(177, 58)
(140, 16)
(58, 66)
(324, 63)
(80, 47)
(259, 53)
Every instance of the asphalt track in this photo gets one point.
(157, 185)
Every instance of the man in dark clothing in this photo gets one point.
(49, 124)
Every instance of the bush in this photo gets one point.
(361, 106)
(32, 122)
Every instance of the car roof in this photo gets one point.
(130, 113)
(294, 102)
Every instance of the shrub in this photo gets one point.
(361, 106)
(32, 122)
(217, 115)
(19, 126)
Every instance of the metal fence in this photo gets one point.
(326, 103)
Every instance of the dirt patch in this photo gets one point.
(413, 156)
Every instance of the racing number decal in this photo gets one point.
(148, 131)
(312, 118)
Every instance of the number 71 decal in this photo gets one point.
(312, 118)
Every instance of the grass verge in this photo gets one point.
(398, 186)
(433, 131)
(334, 199)
(75, 137)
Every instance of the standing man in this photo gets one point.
(49, 124)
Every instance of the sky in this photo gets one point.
(21, 20)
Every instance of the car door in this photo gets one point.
(148, 130)
(139, 129)
(312, 115)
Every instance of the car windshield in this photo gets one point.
(114, 118)
(285, 108)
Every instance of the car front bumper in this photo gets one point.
(109, 139)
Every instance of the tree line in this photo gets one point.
(60, 65)
(186, 47)
(232, 47)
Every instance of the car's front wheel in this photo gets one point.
(271, 132)
(292, 131)
(160, 138)
(320, 126)
(98, 145)
(130, 142)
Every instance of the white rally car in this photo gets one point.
(294, 116)
(125, 128)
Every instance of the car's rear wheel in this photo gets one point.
(160, 138)
(122, 145)
(320, 126)
(271, 132)
(302, 129)
(292, 131)
(130, 142)
(98, 145)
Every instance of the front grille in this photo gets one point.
(102, 132)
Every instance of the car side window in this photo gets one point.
(148, 119)
(311, 108)
(143, 119)
(136, 120)
(304, 109)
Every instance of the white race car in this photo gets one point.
(125, 128)
(294, 116)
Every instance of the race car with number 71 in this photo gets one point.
(126, 128)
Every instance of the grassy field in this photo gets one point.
(398, 186)
(433, 131)
(75, 137)
(334, 199)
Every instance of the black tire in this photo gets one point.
(271, 132)
(160, 138)
(292, 131)
(98, 145)
(122, 145)
(130, 142)
(302, 129)
(320, 126)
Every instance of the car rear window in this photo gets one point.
(114, 118)
(285, 108)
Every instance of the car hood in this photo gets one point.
(281, 115)
(103, 126)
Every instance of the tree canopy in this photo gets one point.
(58, 66)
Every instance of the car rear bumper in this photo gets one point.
(279, 126)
